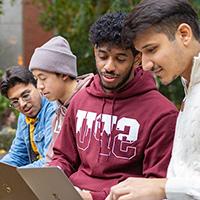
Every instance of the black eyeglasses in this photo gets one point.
(26, 97)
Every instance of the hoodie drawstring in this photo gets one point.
(102, 109)
(101, 125)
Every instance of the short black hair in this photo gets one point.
(107, 30)
(164, 16)
(16, 75)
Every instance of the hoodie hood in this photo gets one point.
(141, 83)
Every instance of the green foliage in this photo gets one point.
(4, 103)
(196, 5)
(174, 91)
(73, 18)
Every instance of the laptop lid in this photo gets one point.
(12, 186)
(49, 183)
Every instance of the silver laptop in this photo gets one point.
(12, 185)
(49, 183)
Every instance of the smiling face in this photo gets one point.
(50, 84)
(167, 59)
(25, 98)
(114, 66)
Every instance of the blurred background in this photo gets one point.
(27, 24)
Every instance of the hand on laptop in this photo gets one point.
(85, 194)
(138, 189)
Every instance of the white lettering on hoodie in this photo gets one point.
(121, 146)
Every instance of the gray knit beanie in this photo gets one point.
(55, 56)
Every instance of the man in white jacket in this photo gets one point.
(168, 36)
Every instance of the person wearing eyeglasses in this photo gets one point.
(34, 127)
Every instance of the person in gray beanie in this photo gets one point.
(54, 67)
(55, 56)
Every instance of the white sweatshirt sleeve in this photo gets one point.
(183, 189)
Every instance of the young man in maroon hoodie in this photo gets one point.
(119, 126)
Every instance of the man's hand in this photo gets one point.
(85, 194)
(138, 189)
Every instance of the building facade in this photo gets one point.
(20, 32)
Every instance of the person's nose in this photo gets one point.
(22, 103)
(147, 64)
(40, 85)
(109, 65)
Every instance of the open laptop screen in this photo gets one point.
(49, 183)
(12, 185)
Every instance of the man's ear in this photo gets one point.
(184, 32)
(64, 77)
(95, 49)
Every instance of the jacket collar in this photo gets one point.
(195, 73)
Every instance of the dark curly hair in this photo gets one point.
(107, 29)
(15, 75)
